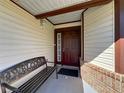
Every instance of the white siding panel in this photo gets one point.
(22, 37)
(99, 36)
(67, 25)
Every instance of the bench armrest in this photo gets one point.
(13, 89)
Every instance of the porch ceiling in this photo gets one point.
(43, 6)
(36, 7)
(67, 17)
(57, 11)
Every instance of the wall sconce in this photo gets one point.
(42, 23)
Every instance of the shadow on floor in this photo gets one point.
(64, 84)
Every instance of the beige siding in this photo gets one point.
(67, 25)
(99, 36)
(22, 37)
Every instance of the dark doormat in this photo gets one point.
(68, 72)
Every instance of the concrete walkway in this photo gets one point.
(64, 84)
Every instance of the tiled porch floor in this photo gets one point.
(64, 84)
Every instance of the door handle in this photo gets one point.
(63, 50)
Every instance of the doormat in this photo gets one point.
(68, 72)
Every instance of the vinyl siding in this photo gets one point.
(22, 37)
(99, 36)
(67, 25)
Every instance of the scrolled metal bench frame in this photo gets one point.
(20, 70)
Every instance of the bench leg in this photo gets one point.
(56, 72)
(3, 89)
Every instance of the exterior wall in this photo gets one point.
(22, 37)
(98, 70)
(68, 25)
(99, 36)
(87, 88)
(102, 80)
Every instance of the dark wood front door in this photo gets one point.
(70, 45)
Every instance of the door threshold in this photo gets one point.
(69, 67)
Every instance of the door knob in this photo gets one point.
(63, 50)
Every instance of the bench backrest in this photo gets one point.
(18, 71)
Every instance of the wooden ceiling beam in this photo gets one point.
(80, 6)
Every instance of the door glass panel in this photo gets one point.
(59, 49)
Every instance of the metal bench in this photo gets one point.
(16, 72)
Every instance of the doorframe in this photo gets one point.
(55, 43)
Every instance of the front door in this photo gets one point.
(68, 46)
